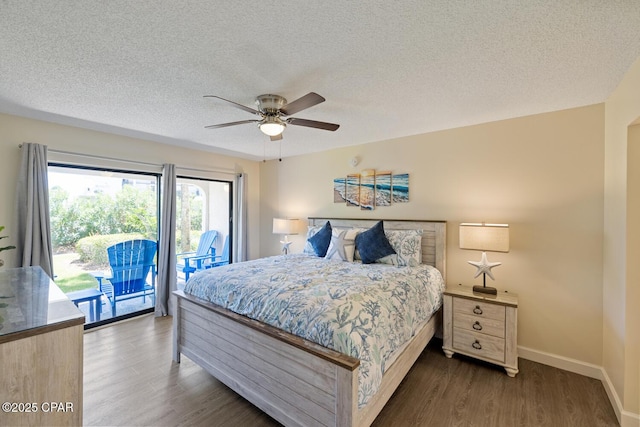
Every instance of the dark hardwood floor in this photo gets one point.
(130, 380)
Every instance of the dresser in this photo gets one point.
(41, 351)
(482, 326)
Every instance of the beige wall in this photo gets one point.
(542, 174)
(621, 294)
(15, 130)
(632, 297)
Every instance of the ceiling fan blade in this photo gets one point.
(224, 125)
(276, 137)
(235, 104)
(309, 100)
(312, 124)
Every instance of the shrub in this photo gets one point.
(93, 249)
(130, 211)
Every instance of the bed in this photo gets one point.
(295, 380)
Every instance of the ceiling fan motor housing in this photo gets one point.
(270, 104)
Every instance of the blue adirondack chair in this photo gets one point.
(190, 262)
(224, 258)
(131, 262)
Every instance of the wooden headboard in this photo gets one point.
(434, 235)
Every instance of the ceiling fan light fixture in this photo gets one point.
(271, 109)
(272, 126)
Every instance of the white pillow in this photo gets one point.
(408, 247)
(343, 244)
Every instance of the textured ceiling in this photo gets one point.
(387, 68)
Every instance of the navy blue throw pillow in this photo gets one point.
(321, 240)
(373, 244)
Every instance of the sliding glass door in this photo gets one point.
(203, 225)
(104, 229)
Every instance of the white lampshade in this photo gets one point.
(285, 226)
(484, 237)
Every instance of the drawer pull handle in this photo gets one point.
(477, 345)
(477, 326)
(477, 310)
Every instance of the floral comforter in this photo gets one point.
(365, 311)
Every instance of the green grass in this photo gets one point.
(70, 273)
(77, 282)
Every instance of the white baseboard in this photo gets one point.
(561, 362)
(629, 419)
(625, 418)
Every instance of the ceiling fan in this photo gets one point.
(273, 108)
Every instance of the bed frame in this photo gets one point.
(295, 381)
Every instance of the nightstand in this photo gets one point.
(482, 326)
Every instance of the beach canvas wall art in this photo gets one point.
(370, 189)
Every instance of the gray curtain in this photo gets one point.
(167, 276)
(241, 253)
(33, 228)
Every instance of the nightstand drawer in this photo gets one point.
(477, 344)
(478, 308)
(474, 323)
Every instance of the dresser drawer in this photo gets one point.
(478, 345)
(478, 308)
(474, 323)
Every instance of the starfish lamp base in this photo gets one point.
(484, 267)
(285, 245)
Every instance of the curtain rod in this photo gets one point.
(136, 162)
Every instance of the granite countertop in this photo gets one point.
(31, 304)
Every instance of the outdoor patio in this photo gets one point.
(81, 282)
(123, 308)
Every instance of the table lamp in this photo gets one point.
(285, 226)
(486, 238)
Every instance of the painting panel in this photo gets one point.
(383, 188)
(339, 190)
(353, 190)
(367, 189)
(400, 188)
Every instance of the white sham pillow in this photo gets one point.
(408, 247)
(343, 244)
